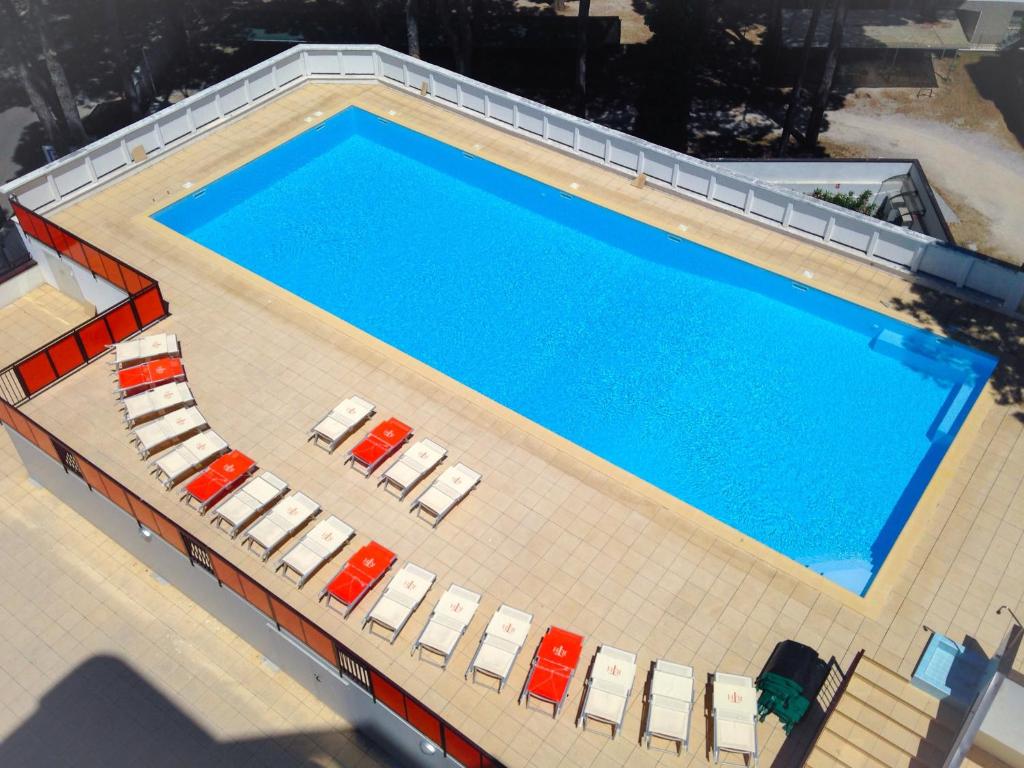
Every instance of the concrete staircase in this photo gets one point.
(882, 721)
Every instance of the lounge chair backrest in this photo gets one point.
(509, 625)
(294, 509)
(352, 407)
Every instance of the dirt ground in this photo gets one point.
(971, 156)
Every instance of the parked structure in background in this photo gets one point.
(991, 24)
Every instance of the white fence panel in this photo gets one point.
(323, 63)
(109, 157)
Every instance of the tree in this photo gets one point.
(798, 85)
(835, 43)
(117, 51)
(583, 19)
(36, 89)
(39, 15)
(675, 51)
(412, 31)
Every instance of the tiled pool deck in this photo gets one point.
(41, 315)
(550, 530)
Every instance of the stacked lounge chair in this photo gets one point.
(447, 623)
(189, 457)
(500, 645)
(415, 463)
(167, 430)
(379, 443)
(156, 402)
(217, 480)
(314, 549)
(400, 599)
(283, 519)
(669, 704)
(451, 487)
(553, 668)
(340, 422)
(249, 501)
(734, 717)
(358, 576)
(143, 348)
(139, 378)
(608, 688)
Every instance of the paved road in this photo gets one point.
(12, 122)
(103, 665)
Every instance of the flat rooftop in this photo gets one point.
(551, 529)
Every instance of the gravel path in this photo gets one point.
(972, 169)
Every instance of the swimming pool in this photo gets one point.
(808, 423)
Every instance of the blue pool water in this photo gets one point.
(806, 422)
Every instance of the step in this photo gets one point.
(821, 759)
(889, 729)
(892, 707)
(833, 745)
(871, 743)
(947, 713)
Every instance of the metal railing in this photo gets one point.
(62, 356)
(278, 609)
(914, 254)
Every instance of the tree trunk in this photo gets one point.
(412, 28)
(65, 98)
(835, 43)
(773, 39)
(583, 20)
(445, 12)
(35, 90)
(119, 55)
(465, 37)
(798, 85)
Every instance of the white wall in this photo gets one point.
(21, 284)
(72, 279)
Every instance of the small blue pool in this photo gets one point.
(808, 423)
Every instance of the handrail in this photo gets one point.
(834, 703)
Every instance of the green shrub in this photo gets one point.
(860, 203)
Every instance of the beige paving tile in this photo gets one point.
(90, 639)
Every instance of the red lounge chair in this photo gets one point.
(382, 441)
(139, 378)
(207, 488)
(359, 575)
(552, 668)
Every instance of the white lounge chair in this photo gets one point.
(156, 402)
(252, 499)
(418, 461)
(447, 624)
(734, 715)
(167, 430)
(314, 549)
(283, 519)
(340, 422)
(400, 599)
(500, 645)
(608, 688)
(451, 487)
(669, 705)
(189, 457)
(143, 348)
